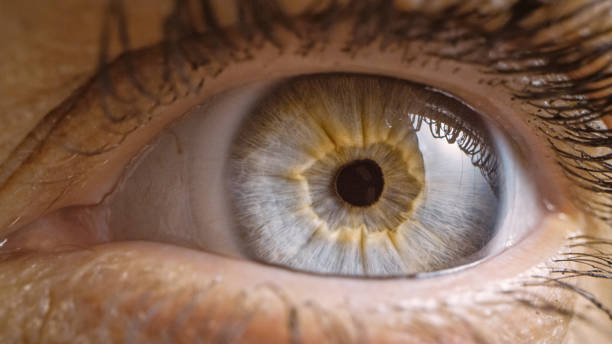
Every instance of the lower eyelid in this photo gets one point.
(75, 229)
(116, 289)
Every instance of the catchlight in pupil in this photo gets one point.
(360, 183)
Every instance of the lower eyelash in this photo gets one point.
(587, 252)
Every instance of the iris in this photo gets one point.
(332, 173)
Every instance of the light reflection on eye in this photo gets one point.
(256, 173)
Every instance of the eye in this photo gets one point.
(343, 174)
(199, 184)
(288, 154)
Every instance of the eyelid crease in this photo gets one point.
(73, 139)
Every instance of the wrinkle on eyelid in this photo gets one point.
(71, 142)
(53, 56)
(47, 57)
(125, 292)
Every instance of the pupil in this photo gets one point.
(360, 183)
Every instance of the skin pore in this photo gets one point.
(151, 292)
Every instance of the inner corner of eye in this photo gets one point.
(343, 174)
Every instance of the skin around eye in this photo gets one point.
(52, 273)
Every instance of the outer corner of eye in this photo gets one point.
(335, 174)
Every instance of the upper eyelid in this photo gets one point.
(255, 28)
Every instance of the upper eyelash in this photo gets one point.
(565, 115)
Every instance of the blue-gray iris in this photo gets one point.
(439, 200)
